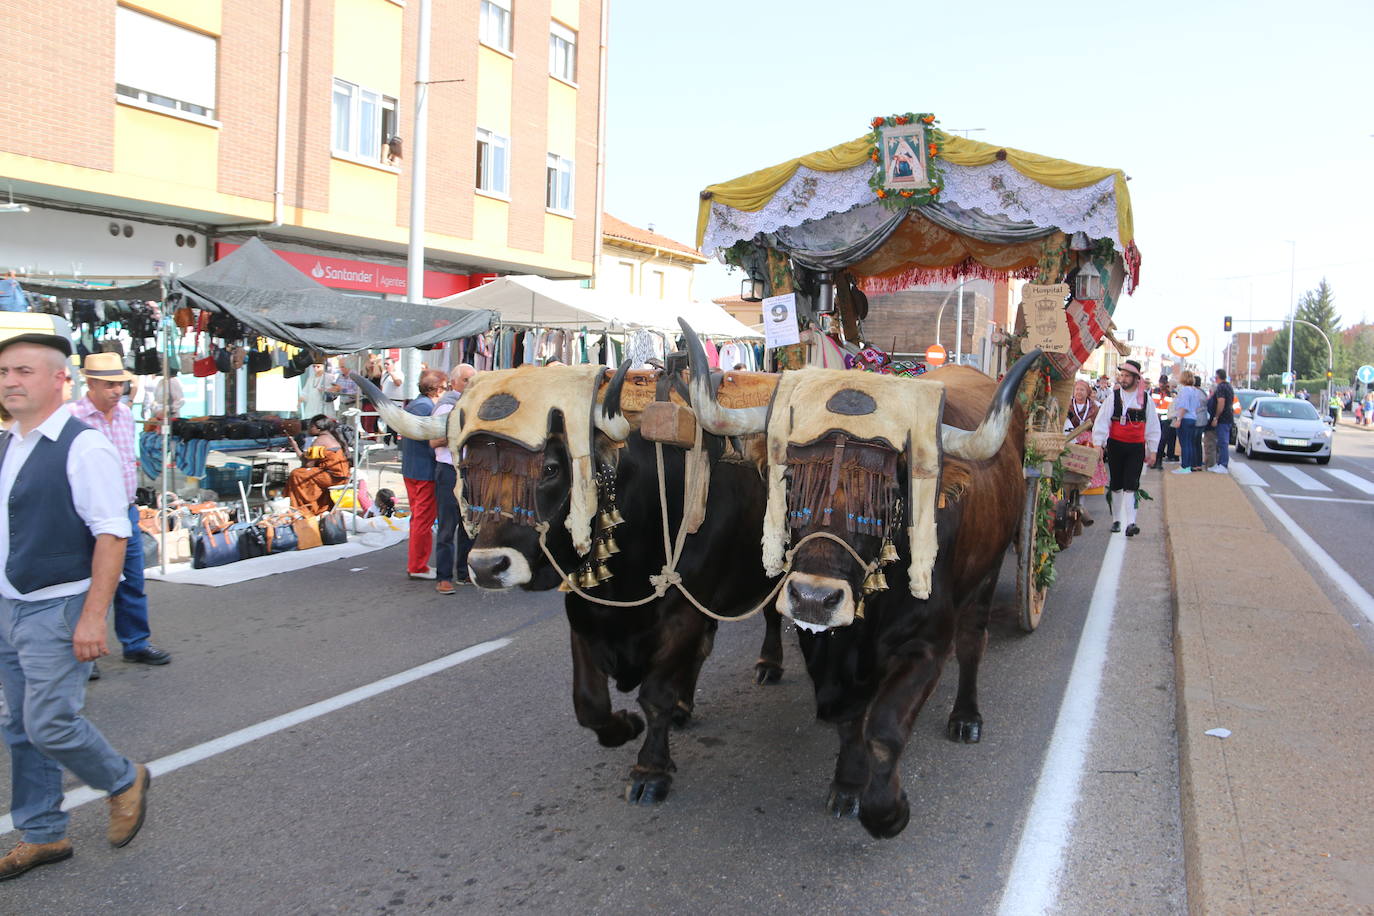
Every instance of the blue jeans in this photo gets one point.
(1224, 444)
(451, 541)
(45, 688)
(130, 603)
(1190, 443)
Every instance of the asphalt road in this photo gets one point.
(473, 789)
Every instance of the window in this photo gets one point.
(627, 275)
(493, 160)
(660, 283)
(495, 24)
(364, 120)
(559, 187)
(563, 52)
(163, 64)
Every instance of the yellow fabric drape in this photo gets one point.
(753, 191)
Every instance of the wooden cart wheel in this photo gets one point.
(1030, 601)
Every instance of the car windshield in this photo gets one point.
(1246, 398)
(1290, 410)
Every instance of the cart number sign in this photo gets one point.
(1184, 341)
(780, 321)
(1046, 325)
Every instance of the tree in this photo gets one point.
(1309, 350)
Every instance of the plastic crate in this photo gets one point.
(225, 480)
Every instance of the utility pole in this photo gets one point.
(415, 253)
(1292, 313)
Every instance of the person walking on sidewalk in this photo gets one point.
(451, 543)
(417, 470)
(59, 576)
(1223, 416)
(1188, 403)
(1368, 407)
(102, 410)
(1127, 432)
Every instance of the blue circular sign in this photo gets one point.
(1365, 374)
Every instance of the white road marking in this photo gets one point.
(1362, 600)
(243, 736)
(1353, 480)
(1301, 478)
(1033, 885)
(1246, 476)
(1325, 499)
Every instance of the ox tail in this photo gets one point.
(982, 443)
(723, 421)
(407, 424)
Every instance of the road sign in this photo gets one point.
(1288, 378)
(936, 355)
(1365, 374)
(1184, 341)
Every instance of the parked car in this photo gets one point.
(1244, 398)
(1283, 426)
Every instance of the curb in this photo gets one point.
(1274, 815)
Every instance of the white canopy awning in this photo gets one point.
(535, 301)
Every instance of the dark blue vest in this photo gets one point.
(49, 543)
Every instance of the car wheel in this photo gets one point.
(1324, 459)
(1240, 449)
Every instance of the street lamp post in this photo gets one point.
(1292, 311)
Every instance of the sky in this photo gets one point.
(1244, 126)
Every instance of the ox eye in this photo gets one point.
(551, 469)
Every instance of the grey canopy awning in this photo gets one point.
(277, 301)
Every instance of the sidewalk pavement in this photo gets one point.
(1277, 816)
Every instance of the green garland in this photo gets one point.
(912, 197)
(1045, 547)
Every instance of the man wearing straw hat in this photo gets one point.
(102, 410)
(58, 573)
(1128, 426)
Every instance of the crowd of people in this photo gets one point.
(1199, 425)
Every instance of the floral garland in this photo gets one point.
(934, 145)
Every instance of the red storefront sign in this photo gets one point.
(366, 276)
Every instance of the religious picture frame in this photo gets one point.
(905, 163)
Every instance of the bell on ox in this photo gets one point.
(604, 521)
(888, 554)
(603, 572)
(611, 546)
(601, 551)
(615, 517)
(876, 582)
(586, 578)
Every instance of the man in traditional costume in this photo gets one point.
(1127, 426)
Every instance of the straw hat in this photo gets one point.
(106, 367)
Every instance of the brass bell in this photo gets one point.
(603, 572)
(586, 578)
(859, 610)
(565, 586)
(876, 582)
(604, 522)
(601, 551)
(611, 545)
(888, 554)
(616, 518)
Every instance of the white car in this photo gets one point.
(1284, 426)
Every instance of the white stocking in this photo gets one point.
(1119, 500)
(1128, 504)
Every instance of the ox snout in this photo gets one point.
(498, 567)
(816, 603)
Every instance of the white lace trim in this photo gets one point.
(997, 189)
(808, 194)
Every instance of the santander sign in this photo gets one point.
(343, 273)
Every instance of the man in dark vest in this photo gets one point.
(1127, 427)
(63, 526)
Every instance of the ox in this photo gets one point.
(875, 641)
(658, 646)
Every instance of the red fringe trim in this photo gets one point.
(969, 269)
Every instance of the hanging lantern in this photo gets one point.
(751, 289)
(1087, 286)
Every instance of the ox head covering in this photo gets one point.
(903, 413)
(518, 405)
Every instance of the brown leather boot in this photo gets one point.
(31, 855)
(128, 807)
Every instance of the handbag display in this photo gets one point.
(333, 528)
(307, 528)
(204, 367)
(214, 546)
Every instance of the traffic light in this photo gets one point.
(1226, 323)
(1328, 375)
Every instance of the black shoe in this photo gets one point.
(1116, 526)
(1132, 530)
(152, 655)
(95, 672)
(1156, 466)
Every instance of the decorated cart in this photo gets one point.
(906, 205)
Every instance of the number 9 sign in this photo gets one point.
(780, 326)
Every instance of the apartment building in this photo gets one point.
(1244, 355)
(642, 262)
(144, 138)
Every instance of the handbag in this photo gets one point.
(259, 361)
(185, 318)
(204, 367)
(280, 536)
(224, 360)
(178, 545)
(186, 363)
(333, 528)
(307, 528)
(212, 545)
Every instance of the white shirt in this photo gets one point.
(1139, 400)
(393, 389)
(97, 493)
(442, 453)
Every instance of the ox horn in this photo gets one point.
(982, 443)
(723, 421)
(407, 424)
(608, 417)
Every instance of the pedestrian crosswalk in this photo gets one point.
(1339, 483)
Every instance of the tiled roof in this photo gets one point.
(619, 229)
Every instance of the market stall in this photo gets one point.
(908, 204)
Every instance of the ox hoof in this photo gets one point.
(682, 714)
(965, 730)
(625, 726)
(767, 673)
(884, 825)
(647, 788)
(842, 802)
